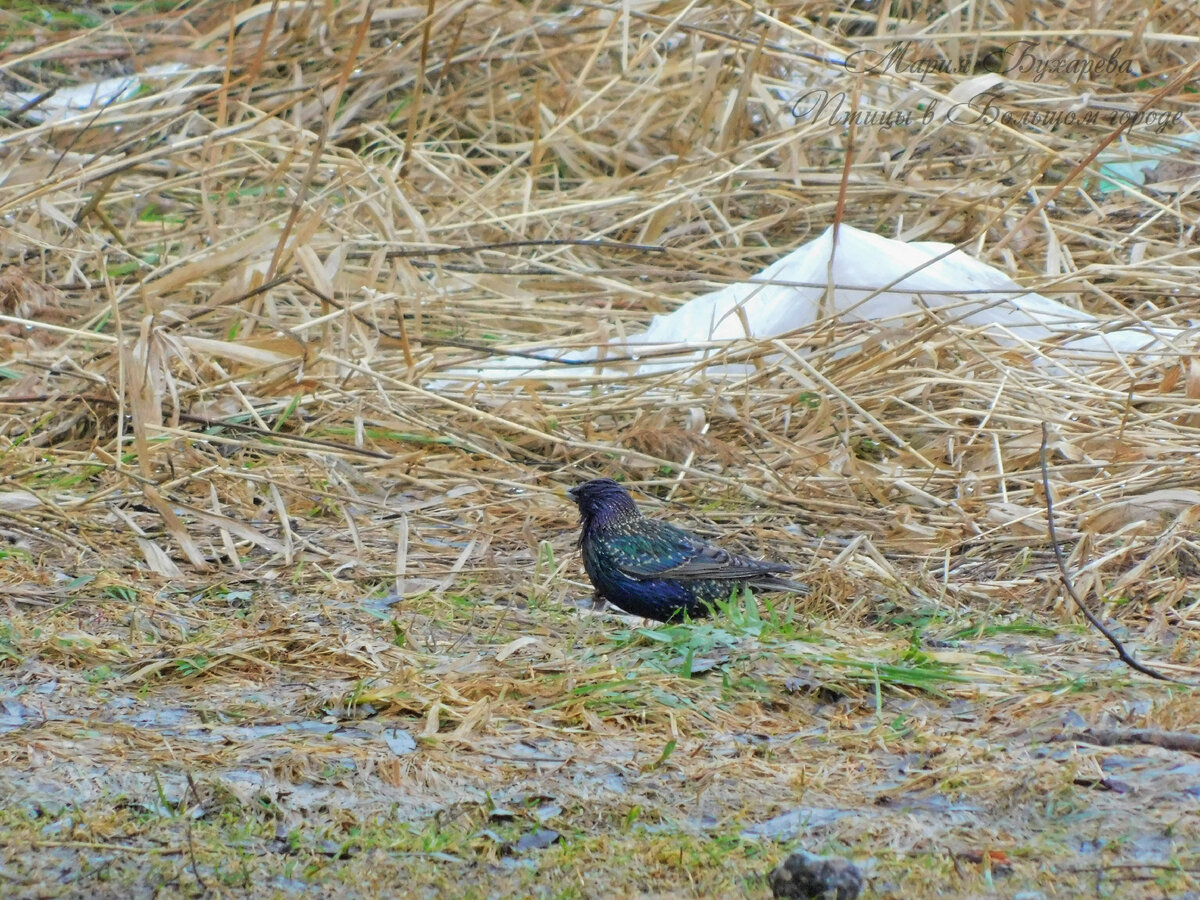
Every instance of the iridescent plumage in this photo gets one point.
(653, 569)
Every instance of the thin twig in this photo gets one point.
(1066, 577)
(1111, 737)
(188, 823)
(207, 422)
(510, 245)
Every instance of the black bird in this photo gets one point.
(655, 570)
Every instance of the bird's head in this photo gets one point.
(602, 499)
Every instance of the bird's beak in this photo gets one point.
(571, 493)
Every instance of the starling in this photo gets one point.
(656, 570)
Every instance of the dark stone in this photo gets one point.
(806, 876)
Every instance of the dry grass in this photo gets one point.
(228, 444)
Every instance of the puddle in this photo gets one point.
(14, 714)
(791, 824)
(399, 741)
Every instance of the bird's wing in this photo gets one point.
(653, 549)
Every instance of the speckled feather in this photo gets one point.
(654, 569)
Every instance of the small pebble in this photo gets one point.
(806, 876)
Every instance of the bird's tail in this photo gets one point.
(775, 583)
